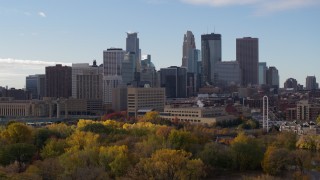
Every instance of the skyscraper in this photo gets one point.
(248, 57)
(132, 45)
(211, 54)
(262, 73)
(112, 71)
(291, 83)
(311, 83)
(188, 49)
(58, 81)
(273, 77)
(174, 80)
(128, 68)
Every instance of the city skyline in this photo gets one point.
(46, 32)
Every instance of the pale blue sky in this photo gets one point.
(77, 31)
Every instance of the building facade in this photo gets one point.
(291, 83)
(132, 45)
(58, 81)
(228, 73)
(141, 99)
(311, 83)
(247, 54)
(263, 73)
(112, 72)
(211, 54)
(174, 80)
(189, 60)
(87, 81)
(273, 77)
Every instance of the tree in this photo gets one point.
(216, 155)
(82, 140)
(61, 130)
(53, 148)
(169, 164)
(301, 159)
(20, 152)
(96, 128)
(287, 140)
(17, 133)
(41, 136)
(246, 152)
(318, 120)
(181, 139)
(275, 160)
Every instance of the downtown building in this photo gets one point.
(132, 45)
(143, 100)
(58, 81)
(112, 72)
(87, 86)
(311, 83)
(247, 54)
(36, 85)
(174, 80)
(148, 74)
(228, 73)
(211, 54)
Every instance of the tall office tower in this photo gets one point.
(248, 57)
(273, 77)
(262, 73)
(211, 54)
(311, 83)
(228, 73)
(58, 81)
(188, 57)
(148, 73)
(87, 81)
(291, 83)
(36, 85)
(128, 68)
(112, 71)
(174, 80)
(133, 46)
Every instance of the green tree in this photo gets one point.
(20, 152)
(275, 160)
(287, 140)
(247, 153)
(41, 136)
(181, 139)
(53, 148)
(61, 130)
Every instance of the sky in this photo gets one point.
(35, 34)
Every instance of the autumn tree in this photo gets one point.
(17, 133)
(169, 164)
(82, 140)
(53, 148)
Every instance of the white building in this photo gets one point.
(87, 81)
(112, 71)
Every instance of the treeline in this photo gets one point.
(150, 149)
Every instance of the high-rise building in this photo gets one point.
(228, 73)
(291, 83)
(311, 83)
(174, 80)
(112, 71)
(128, 68)
(148, 73)
(262, 73)
(58, 81)
(273, 77)
(87, 81)
(211, 54)
(35, 84)
(248, 57)
(132, 45)
(189, 60)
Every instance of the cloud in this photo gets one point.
(42, 14)
(31, 62)
(261, 6)
(218, 3)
